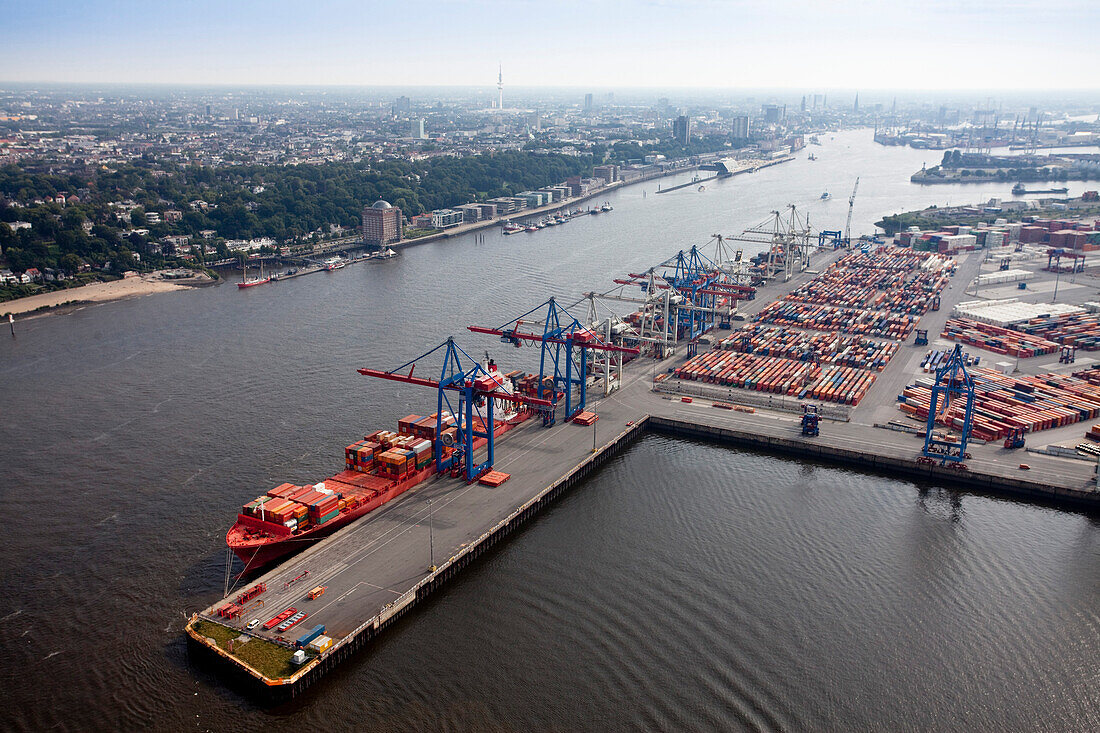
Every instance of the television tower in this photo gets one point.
(500, 87)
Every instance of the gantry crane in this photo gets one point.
(477, 391)
(788, 240)
(851, 206)
(953, 383)
(701, 291)
(565, 346)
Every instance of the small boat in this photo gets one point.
(532, 228)
(247, 282)
(702, 188)
(334, 263)
(510, 228)
(606, 207)
(826, 196)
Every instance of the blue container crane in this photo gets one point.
(953, 383)
(476, 392)
(563, 359)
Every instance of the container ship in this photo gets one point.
(377, 469)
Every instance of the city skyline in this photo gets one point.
(660, 43)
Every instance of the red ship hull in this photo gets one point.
(257, 543)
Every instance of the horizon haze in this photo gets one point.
(792, 44)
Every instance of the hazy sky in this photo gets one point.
(889, 44)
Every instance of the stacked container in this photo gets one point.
(405, 424)
(359, 456)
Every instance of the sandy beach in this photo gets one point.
(96, 292)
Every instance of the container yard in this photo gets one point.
(996, 339)
(862, 370)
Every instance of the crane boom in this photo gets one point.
(851, 204)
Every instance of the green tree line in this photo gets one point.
(295, 200)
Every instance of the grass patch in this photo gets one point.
(271, 660)
(411, 233)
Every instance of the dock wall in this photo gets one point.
(275, 690)
(984, 483)
(278, 690)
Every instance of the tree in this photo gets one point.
(69, 264)
(137, 217)
(7, 237)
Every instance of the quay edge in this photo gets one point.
(254, 683)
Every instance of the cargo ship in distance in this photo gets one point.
(377, 470)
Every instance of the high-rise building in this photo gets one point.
(771, 113)
(855, 104)
(401, 106)
(416, 128)
(382, 224)
(740, 127)
(681, 129)
(500, 87)
(803, 103)
(588, 102)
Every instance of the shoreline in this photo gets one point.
(58, 301)
(474, 226)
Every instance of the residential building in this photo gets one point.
(607, 172)
(382, 223)
(740, 127)
(681, 129)
(470, 212)
(446, 218)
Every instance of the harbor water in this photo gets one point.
(684, 586)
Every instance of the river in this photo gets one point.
(685, 586)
